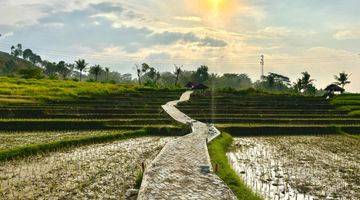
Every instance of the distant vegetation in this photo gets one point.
(28, 65)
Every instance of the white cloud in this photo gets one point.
(8, 34)
(348, 34)
(188, 18)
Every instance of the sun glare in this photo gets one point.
(216, 5)
(214, 12)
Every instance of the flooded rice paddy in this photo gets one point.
(299, 167)
(101, 171)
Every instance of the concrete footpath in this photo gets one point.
(182, 170)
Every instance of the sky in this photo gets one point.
(318, 36)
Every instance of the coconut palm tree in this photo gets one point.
(177, 73)
(342, 79)
(306, 81)
(81, 66)
(107, 70)
(96, 70)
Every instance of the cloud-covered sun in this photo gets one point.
(216, 5)
(213, 10)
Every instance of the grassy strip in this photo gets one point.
(355, 113)
(138, 180)
(29, 150)
(217, 151)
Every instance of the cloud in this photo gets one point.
(348, 34)
(167, 38)
(188, 18)
(158, 55)
(8, 34)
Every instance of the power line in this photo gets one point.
(228, 60)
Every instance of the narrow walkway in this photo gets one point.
(176, 172)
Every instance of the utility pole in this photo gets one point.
(262, 63)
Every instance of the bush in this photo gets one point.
(30, 73)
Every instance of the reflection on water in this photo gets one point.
(264, 173)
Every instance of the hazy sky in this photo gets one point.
(319, 36)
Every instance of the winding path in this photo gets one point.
(176, 173)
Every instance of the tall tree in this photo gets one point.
(35, 59)
(298, 86)
(342, 79)
(51, 68)
(81, 66)
(141, 70)
(153, 75)
(177, 74)
(17, 51)
(270, 81)
(65, 69)
(202, 74)
(96, 70)
(27, 53)
(107, 70)
(307, 83)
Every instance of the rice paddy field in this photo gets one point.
(286, 146)
(72, 140)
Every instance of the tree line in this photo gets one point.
(150, 76)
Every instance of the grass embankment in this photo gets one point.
(33, 149)
(217, 151)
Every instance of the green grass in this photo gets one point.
(217, 151)
(46, 89)
(349, 103)
(355, 113)
(138, 180)
(33, 149)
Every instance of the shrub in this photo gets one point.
(30, 73)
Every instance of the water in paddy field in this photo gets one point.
(278, 168)
(269, 180)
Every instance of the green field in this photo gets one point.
(273, 114)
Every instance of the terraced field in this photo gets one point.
(287, 147)
(95, 144)
(130, 110)
(258, 114)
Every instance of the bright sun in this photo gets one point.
(216, 6)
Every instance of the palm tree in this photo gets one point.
(81, 65)
(342, 79)
(177, 73)
(306, 82)
(96, 70)
(107, 73)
